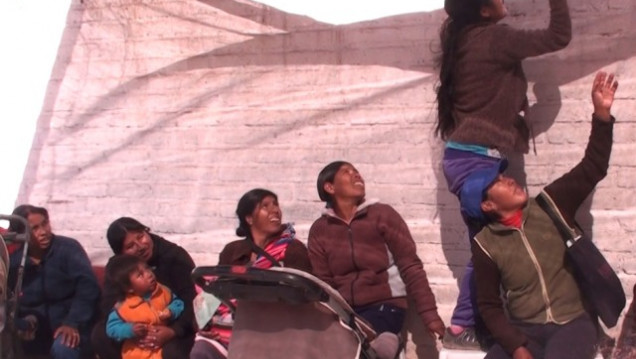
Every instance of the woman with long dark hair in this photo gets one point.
(172, 266)
(266, 242)
(481, 99)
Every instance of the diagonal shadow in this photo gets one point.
(399, 41)
(615, 42)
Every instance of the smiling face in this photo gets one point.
(347, 184)
(138, 244)
(504, 197)
(142, 280)
(266, 219)
(40, 231)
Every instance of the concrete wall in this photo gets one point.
(168, 111)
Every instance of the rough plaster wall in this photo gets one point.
(168, 111)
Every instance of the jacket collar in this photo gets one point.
(47, 254)
(497, 226)
(362, 209)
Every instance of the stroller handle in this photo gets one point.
(256, 284)
(13, 302)
(13, 236)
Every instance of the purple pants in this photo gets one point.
(458, 165)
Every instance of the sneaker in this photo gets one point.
(466, 340)
(386, 345)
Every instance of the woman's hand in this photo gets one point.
(165, 314)
(522, 353)
(437, 327)
(209, 334)
(70, 336)
(140, 330)
(157, 336)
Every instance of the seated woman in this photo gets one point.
(267, 242)
(59, 290)
(172, 266)
(365, 251)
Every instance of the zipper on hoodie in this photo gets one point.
(355, 265)
(544, 288)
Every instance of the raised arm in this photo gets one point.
(514, 44)
(603, 92)
(569, 191)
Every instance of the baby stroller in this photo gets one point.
(284, 312)
(10, 347)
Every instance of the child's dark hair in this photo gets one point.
(461, 14)
(117, 273)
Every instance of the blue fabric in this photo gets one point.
(472, 192)
(176, 307)
(61, 351)
(476, 149)
(458, 165)
(466, 307)
(466, 313)
(62, 289)
(117, 328)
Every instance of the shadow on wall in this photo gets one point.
(293, 38)
(598, 41)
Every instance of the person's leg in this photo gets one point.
(535, 333)
(464, 312)
(497, 352)
(457, 166)
(38, 341)
(383, 317)
(467, 330)
(574, 340)
(61, 351)
(103, 346)
(387, 320)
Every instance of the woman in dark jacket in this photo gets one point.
(59, 290)
(172, 266)
(264, 235)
